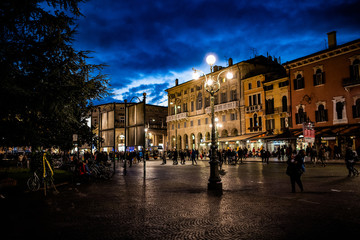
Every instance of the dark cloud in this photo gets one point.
(146, 40)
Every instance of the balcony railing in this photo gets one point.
(253, 108)
(223, 107)
(179, 116)
(350, 82)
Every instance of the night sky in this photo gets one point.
(147, 44)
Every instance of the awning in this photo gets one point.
(351, 130)
(235, 138)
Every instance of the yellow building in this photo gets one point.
(277, 109)
(189, 107)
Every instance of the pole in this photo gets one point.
(144, 99)
(125, 101)
(214, 180)
(114, 135)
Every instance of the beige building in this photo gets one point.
(108, 121)
(189, 107)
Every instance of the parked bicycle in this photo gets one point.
(34, 182)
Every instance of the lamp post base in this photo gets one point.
(215, 184)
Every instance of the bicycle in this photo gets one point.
(34, 181)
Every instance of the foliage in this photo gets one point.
(47, 87)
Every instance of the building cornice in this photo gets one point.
(323, 55)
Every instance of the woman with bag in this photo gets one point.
(295, 169)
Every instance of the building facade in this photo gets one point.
(325, 89)
(189, 107)
(108, 122)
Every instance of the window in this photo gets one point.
(356, 109)
(284, 103)
(284, 84)
(206, 121)
(192, 106)
(268, 88)
(233, 95)
(269, 106)
(284, 123)
(254, 99)
(259, 99)
(223, 97)
(299, 82)
(258, 84)
(319, 77)
(178, 125)
(224, 118)
(255, 120)
(185, 107)
(270, 124)
(300, 116)
(233, 116)
(199, 121)
(172, 126)
(184, 124)
(339, 110)
(191, 123)
(250, 101)
(355, 70)
(207, 102)
(199, 102)
(216, 99)
(321, 114)
(249, 86)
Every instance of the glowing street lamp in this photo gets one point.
(212, 86)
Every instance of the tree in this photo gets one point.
(47, 87)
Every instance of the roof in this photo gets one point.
(321, 52)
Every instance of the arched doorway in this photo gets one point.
(192, 141)
(186, 142)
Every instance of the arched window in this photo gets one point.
(339, 110)
(255, 120)
(321, 114)
(319, 77)
(299, 82)
(284, 103)
(300, 116)
(355, 70)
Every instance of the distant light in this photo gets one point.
(210, 82)
(229, 75)
(210, 59)
(196, 75)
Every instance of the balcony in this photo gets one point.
(350, 82)
(179, 116)
(224, 107)
(254, 108)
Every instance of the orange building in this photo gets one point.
(325, 89)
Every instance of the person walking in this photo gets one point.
(175, 156)
(193, 155)
(164, 158)
(350, 162)
(182, 157)
(295, 169)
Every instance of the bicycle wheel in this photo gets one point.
(33, 183)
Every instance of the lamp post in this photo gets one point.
(176, 101)
(212, 86)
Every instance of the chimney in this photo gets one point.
(230, 62)
(332, 39)
(176, 82)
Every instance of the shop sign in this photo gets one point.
(328, 138)
(309, 132)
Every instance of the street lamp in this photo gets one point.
(212, 86)
(176, 101)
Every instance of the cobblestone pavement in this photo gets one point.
(173, 203)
